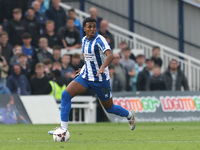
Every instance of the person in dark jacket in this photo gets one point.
(18, 83)
(40, 81)
(32, 26)
(106, 33)
(144, 75)
(156, 83)
(156, 56)
(6, 10)
(57, 14)
(41, 18)
(115, 81)
(174, 78)
(15, 28)
(53, 38)
(71, 37)
(7, 49)
(94, 15)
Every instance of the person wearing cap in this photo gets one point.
(144, 75)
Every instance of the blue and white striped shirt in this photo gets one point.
(93, 51)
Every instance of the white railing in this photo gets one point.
(190, 65)
(195, 3)
(83, 109)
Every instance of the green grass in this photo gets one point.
(112, 136)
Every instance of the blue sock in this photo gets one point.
(65, 106)
(118, 110)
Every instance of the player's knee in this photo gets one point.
(111, 109)
(65, 94)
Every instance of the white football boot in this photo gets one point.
(131, 121)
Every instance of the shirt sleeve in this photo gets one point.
(103, 44)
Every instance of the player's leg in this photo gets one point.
(115, 109)
(103, 92)
(119, 110)
(76, 87)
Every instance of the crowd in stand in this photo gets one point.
(29, 29)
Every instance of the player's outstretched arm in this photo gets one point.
(108, 60)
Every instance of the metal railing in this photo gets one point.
(189, 65)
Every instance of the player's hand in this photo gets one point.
(101, 70)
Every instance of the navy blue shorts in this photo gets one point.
(102, 89)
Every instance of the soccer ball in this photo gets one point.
(61, 135)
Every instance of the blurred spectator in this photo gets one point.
(25, 65)
(41, 18)
(70, 35)
(77, 23)
(107, 37)
(23, 5)
(3, 67)
(18, 83)
(3, 88)
(144, 75)
(6, 10)
(123, 45)
(174, 78)
(115, 81)
(57, 14)
(16, 28)
(57, 66)
(1, 30)
(6, 51)
(52, 37)
(67, 71)
(128, 67)
(76, 62)
(43, 53)
(17, 51)
(155, 82)
(47, 67)
(27, 48)
(156, 56)
(57, 85)
(119, 69)
(104, 31)
(45, 4)
(32, 26)
(94, 15)
(56, 54)
(139, 66)
(40, 81)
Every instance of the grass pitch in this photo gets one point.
(100, 136)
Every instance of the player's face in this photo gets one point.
(90, 29)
